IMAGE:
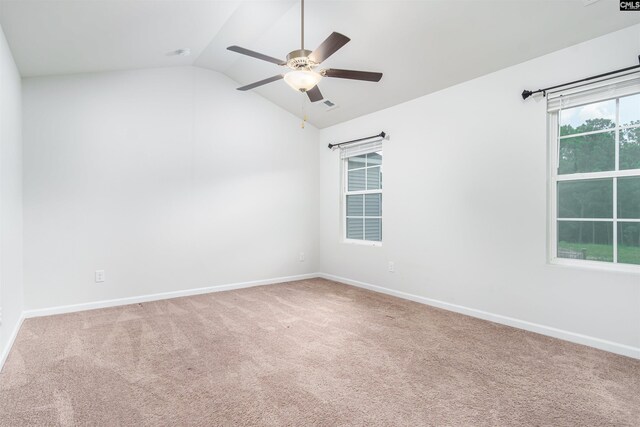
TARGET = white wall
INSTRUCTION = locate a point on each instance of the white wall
(168, 179)
(465, 203)
(10, 197)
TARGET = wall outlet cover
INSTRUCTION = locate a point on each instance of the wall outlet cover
(100, 276)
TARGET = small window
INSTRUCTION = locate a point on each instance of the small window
(363, 197)
(595, 180)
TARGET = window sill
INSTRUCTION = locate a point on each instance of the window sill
(362, 242)
(595, 265)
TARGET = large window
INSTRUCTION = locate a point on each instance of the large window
(363, 197)
(595, 179)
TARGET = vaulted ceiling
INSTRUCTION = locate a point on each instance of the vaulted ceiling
(420, 46)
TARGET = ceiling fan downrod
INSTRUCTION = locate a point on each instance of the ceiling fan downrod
(299, 59)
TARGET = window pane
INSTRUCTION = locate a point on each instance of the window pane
(374, 159)
(630, 110)
(373, 205)
(373, 229)
(629, 242)
(585, 199)
(357, 161)
(374, 178)
(630, 148)
(588, 118)
(357, 180)
(588, 153)
(354, 205)
(355, 228)
(629, 197)
(585, 240)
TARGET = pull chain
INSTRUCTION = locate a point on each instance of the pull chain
(304, 115)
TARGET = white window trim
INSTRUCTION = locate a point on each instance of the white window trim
(344, 193)
(362, 242)
(553, 149)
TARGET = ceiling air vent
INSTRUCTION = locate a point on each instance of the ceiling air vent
(330, 105)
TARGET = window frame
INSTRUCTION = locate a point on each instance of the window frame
(553, 178)
(345, 192)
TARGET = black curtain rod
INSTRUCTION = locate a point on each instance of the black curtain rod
(528, 93)
(381, 135)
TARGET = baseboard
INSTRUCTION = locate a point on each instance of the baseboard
(160, 296)
(138, 299)
(598, 343)
(5, 351)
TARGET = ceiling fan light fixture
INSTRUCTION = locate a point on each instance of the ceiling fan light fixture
(302, 80)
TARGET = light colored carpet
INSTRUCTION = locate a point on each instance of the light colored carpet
(305, 353)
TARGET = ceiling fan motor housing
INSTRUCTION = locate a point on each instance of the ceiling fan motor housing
(299, 60)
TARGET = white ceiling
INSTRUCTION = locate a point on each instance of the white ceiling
(420, 46)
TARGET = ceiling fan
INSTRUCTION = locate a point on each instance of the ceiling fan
(302, 75)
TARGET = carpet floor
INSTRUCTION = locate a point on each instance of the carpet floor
(312, 352)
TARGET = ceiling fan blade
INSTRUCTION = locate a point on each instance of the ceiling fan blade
(352, 74)
(261, 82)
(328, 47)
(253, 54)
(314, 94)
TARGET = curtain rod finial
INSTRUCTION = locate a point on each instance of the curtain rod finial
(526, 94)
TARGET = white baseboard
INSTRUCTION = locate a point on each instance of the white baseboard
(613, 347)
(138, 299)
(610, 346)
(160, 296)
(5, 351)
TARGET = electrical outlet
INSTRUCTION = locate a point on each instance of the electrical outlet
(301, 257)
(392, 267)
(100, 276)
